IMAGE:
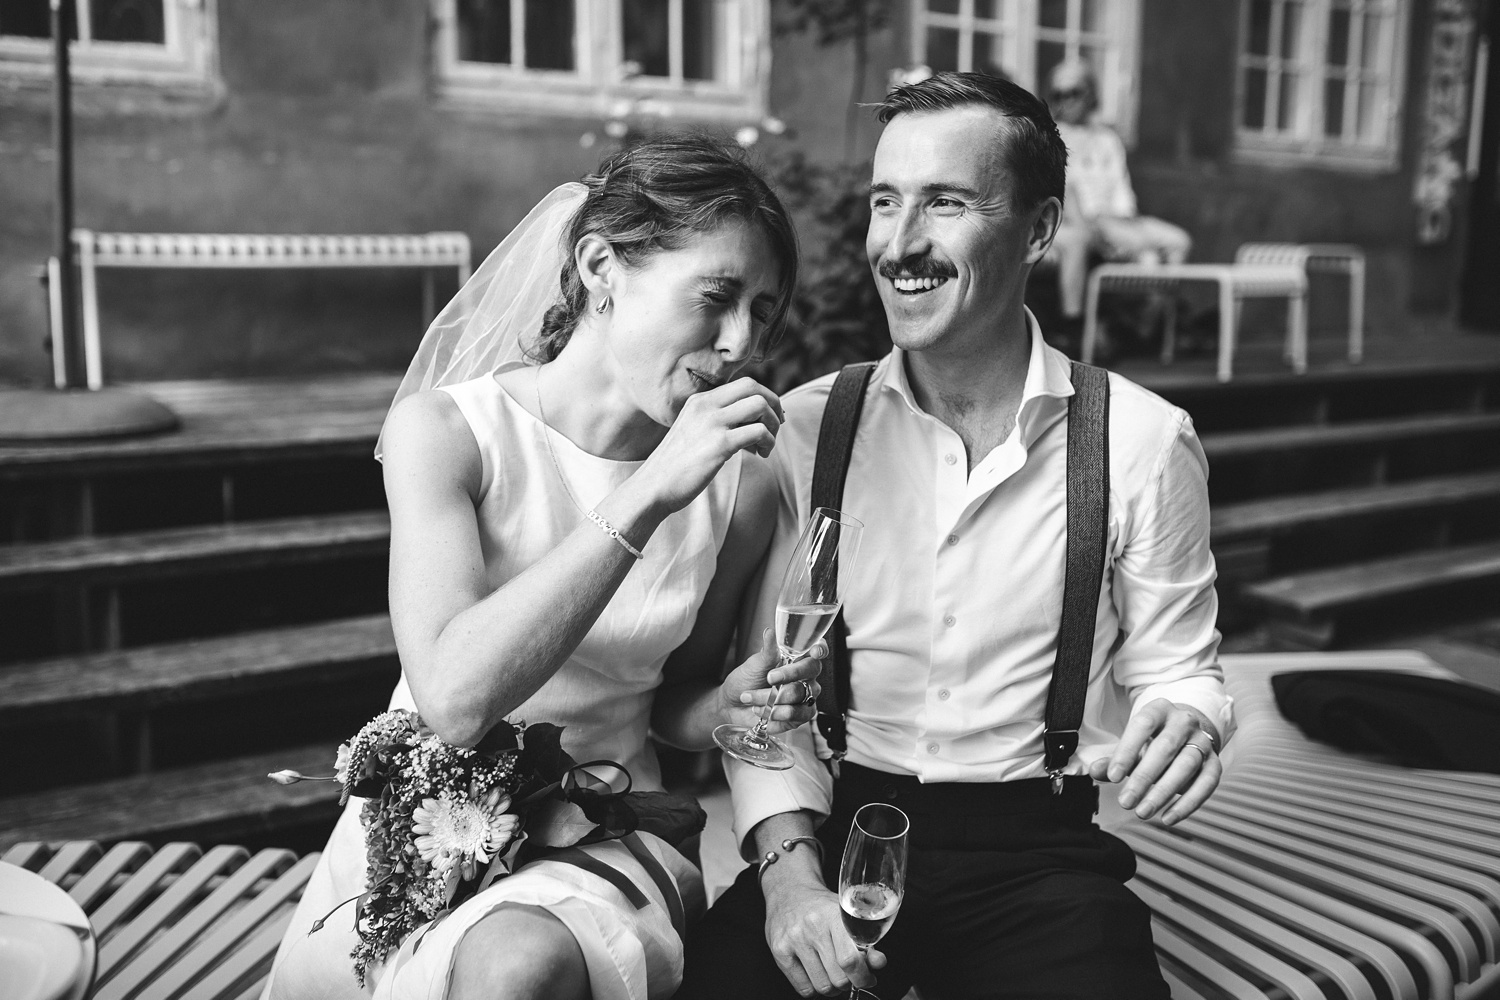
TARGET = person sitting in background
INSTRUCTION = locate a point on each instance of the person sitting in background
(1099, 214)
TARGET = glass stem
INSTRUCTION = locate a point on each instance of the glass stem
(764, 722)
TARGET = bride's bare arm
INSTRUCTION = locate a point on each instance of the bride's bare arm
(471, 655)
(691, 700)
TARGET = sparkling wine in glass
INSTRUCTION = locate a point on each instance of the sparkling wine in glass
(809, 600)
(872, 877)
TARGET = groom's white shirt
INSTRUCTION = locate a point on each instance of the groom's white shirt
(954, 604)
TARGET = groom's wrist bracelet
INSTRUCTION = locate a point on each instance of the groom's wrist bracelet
(771, 857)
(612, 532)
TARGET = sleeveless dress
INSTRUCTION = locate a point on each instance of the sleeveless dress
(602, 695)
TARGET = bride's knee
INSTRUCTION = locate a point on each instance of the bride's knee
(519, 953)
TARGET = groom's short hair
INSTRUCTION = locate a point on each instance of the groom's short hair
(1037, 155)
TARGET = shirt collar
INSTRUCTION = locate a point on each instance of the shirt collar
(1048, 373)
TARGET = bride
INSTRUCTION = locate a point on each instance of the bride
(570, 540)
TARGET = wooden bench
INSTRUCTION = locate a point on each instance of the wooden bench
(1314, 874)
(1305, 608)
(121, 688)
(1361, 433)
(1243, 533)
(177, 923)
(109, 559)
(230, 250)
(1329, 258)
(1236, 282)
(214, 801)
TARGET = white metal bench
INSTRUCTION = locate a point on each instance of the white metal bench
(1314, 874)
(178, 923)
(1334, 258)
(225, 250)
(1236, 282)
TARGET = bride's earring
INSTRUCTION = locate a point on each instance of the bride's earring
(602, 306)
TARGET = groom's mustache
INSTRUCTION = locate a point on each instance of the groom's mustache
(923, 266)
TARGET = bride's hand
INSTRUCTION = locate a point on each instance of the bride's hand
(751, 686)
(742, 415)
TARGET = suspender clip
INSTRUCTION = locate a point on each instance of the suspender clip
(1057, 781)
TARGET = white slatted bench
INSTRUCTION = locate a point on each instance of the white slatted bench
(1313, 874)
(1329, 258)
(227, 250)
(1236, 282)
(178, 923)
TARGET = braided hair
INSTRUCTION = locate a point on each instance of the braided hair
(657, 195)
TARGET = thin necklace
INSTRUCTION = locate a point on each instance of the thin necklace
(547, 439)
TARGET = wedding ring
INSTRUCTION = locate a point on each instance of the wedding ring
(1202, 753)
(812, 696)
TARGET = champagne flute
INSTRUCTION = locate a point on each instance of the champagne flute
(809, 600)
(872, 877)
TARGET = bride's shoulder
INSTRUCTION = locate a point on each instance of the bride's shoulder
(429, 430)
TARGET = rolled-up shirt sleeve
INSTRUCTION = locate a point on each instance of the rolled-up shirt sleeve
(758, 794)
(1164, 589)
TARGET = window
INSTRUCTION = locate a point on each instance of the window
(607, 58)
(1321, 79)
(139, 41)
(1025, 39)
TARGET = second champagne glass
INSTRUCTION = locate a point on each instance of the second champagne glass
(809, 600)
(872, 877)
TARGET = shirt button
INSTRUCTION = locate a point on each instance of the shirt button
(952, 539)
(951, 458)
(932, 748)
(950, 621)
(943, 695)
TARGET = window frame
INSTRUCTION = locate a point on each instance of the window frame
(187, 56)
(1306, 144)
(1119, 89)
(595, 89)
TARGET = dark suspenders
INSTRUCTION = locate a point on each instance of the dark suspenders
(1087, 526)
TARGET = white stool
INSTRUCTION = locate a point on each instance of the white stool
(1236, 282)
(1335, 258)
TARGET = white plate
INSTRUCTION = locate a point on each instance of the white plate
(46, 942)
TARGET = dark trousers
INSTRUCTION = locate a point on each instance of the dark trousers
(1011, 892)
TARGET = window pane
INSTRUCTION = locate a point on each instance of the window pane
(1048, 55)
(1286, 105)
(1339, 22)
(127, 21)
(1291, 29)
(1259, 42)
(1372, 55)
(1052, 14)
(484, 31)
(989, 55)
(943, 6)
(646, 36)
(1255, 98)
(27, 18)
(1371, 115)
(549, 34)
(1333, 106)
(702, 33)
(942, 48)
(1094, 12)
(987, 9)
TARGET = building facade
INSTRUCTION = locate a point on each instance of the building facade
(1299, 120)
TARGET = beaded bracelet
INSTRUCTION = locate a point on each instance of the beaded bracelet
(612, 532)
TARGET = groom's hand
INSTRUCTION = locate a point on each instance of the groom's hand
(1166, 752)
(806, 936)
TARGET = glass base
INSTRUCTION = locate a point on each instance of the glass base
(766, 752)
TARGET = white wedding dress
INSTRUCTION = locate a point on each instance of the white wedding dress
(602, 696)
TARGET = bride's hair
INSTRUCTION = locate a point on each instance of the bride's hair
(656, 195)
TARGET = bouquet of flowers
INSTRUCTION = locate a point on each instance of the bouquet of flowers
(443, 822)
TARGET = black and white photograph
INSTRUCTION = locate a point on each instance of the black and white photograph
(751, 499)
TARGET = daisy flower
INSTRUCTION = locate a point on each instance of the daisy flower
(452, 831)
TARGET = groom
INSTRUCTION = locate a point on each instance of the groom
(960, 470)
